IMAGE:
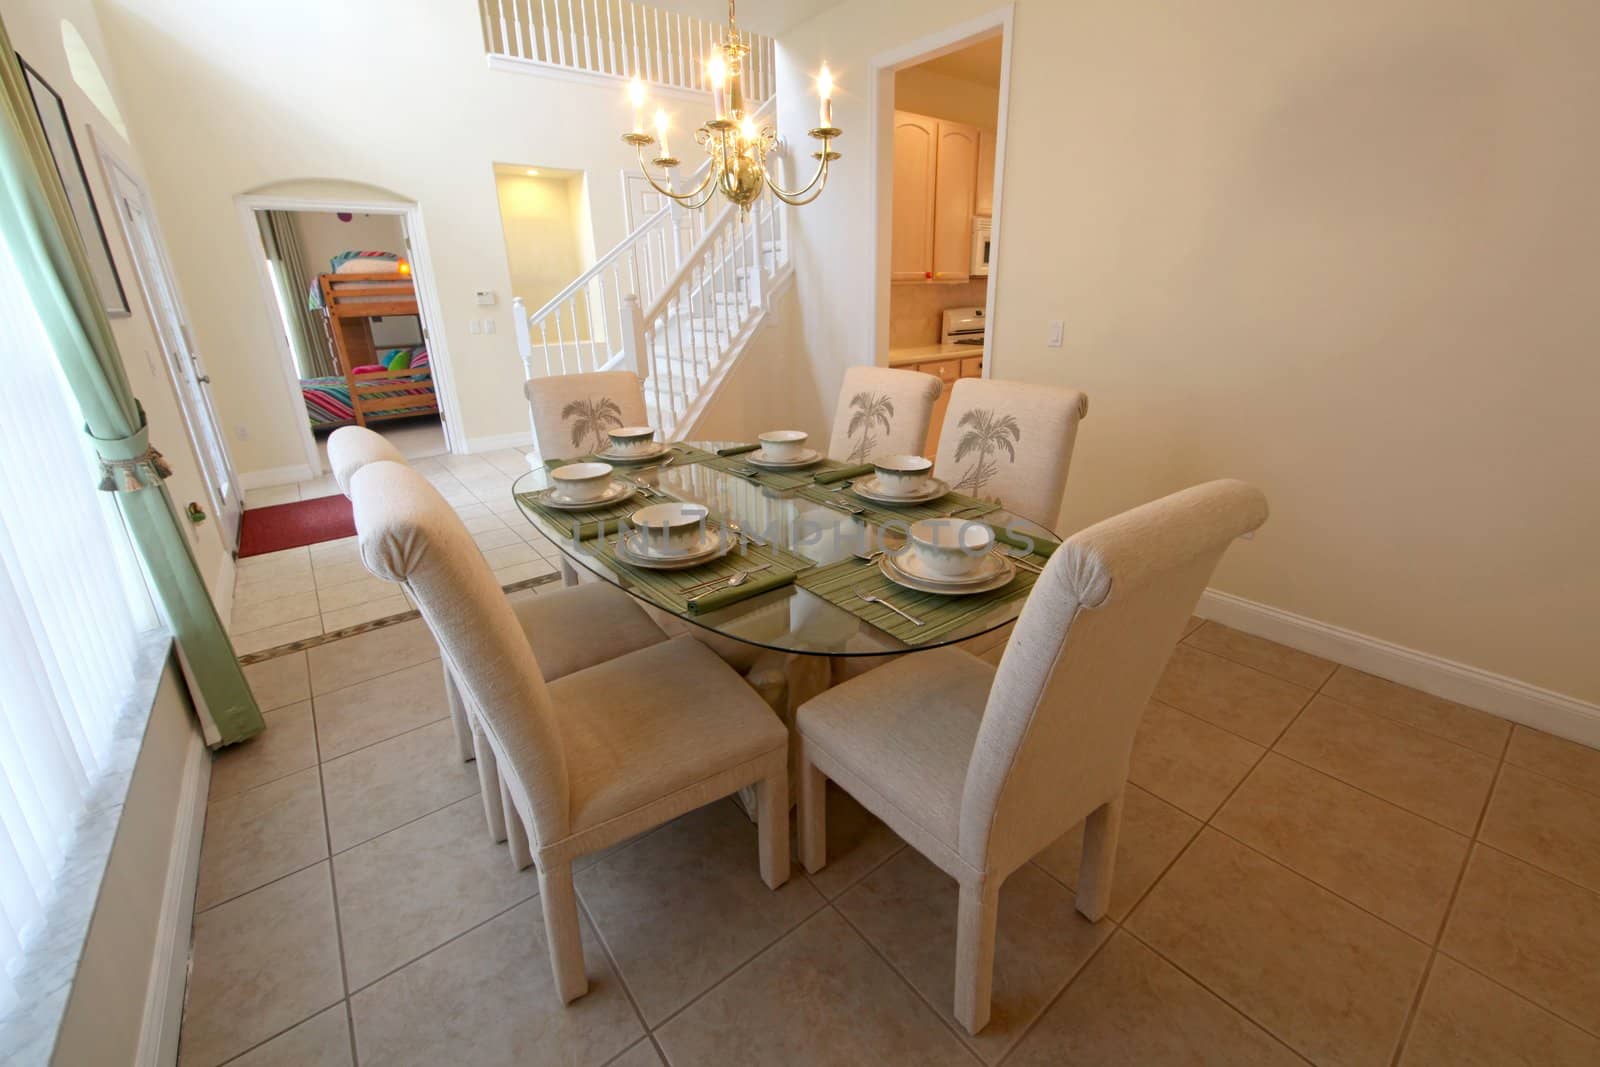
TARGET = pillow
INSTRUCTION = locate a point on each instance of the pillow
(364, 263)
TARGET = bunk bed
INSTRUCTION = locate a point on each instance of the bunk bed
(376, 384)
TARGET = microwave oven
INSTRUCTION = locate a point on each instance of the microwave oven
(982, 246)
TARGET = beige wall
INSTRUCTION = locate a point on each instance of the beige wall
(927, 92)
(323, 236)
(544, 219)
(1345, 251)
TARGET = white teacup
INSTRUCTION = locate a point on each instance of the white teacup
(580, 483)
(671, 529)
(632, 440)
(903, 475)
(950, 548)
(781, 446)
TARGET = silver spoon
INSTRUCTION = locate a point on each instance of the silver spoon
(731, 583)
(871, 598)
(733, 524)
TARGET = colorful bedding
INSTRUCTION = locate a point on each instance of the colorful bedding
(328, 399)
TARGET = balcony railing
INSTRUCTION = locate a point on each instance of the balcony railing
(616, 38)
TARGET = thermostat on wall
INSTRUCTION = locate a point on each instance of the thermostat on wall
(485, 297)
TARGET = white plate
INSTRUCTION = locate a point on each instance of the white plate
(908, 563)
(806, 459)
(869, 488)
(634, 457)
(616, 492)
(720, 545)
(995, 574)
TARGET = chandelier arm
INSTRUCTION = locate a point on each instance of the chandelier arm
(679, 197)
(794, 197)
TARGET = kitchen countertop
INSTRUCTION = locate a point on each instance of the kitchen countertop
(900, 357)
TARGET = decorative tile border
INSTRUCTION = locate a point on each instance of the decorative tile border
(372, 624)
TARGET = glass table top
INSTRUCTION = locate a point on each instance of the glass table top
(788, 619)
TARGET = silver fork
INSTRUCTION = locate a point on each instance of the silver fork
(872, 598)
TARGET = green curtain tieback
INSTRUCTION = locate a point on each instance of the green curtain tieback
(128, 464)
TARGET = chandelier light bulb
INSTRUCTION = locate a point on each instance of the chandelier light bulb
(661, 131)
(825, 92)
(636, 95)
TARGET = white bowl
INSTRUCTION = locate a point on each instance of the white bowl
(671, 529)
(579, 483)
(632, 440)
(904, 475)
(783, 445)
(951, 548)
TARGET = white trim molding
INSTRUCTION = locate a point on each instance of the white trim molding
(266, 479)
(1530, 705)
(496, 442)
(169, 966)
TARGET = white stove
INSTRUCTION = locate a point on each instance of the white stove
(963, 326)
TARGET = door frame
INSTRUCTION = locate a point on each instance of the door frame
(427, 300)
(880, 105)
(115, 169)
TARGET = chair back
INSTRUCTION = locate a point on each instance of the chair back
(1091, 643)
(1010, 442)
(352, 447)
(882, 412)
(409, 534)
(573, 412)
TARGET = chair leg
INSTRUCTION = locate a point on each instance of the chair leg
(772, 828)
(560, 903)
(1100, 831)
(494, 809)
(516, 831)
(569, 574)
(458, 715)
(813, 818)
(976, 916)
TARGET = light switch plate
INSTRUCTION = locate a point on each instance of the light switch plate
(474, 326)
(1058, 330)
(488, 326)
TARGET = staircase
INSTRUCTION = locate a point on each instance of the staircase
(676, 302)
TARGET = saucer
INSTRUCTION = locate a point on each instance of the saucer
(714, 545)
(902, 569)
(869, 488)
(615, 492)
(806, 459)
(657, 452)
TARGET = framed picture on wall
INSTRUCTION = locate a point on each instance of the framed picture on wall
(69, 167)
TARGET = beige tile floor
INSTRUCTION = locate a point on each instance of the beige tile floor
(1316, 865)
(303, 592)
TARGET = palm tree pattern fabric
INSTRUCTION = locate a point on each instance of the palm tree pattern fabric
(869, 413)
(985, 435)
(590, 419)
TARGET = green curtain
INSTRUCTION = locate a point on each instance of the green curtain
(308, 335)
(37, 229)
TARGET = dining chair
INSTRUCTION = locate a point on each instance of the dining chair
(591, 758)
(980, 768)
(569, 629)
(1010, 442)
(882, 412)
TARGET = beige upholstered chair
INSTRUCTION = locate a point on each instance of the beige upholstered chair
(1010, 442)
(572, 412)
(882, 412)
(595, 757)
(978, 768)
(569, 629)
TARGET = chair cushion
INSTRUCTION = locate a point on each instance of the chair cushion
(652, 722)
(576, 628)
(907, 728)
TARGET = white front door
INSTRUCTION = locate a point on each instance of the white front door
(183, 361)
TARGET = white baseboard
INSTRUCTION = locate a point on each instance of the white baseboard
(169, 969)
(519, 439)
(275, 476)
(1542, 709)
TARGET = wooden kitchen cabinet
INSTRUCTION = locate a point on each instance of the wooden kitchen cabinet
(948, 371)
(916, 154)
(935, 186)
(983, 200)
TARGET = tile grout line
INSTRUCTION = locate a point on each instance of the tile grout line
(1449, 909)
(611, 961)
(333, 882)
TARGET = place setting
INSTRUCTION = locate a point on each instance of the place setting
(588, 497)
(782, 459)
(898, 488)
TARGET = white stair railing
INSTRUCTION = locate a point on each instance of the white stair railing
(619, 39)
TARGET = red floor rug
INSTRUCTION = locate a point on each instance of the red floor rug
(305, 522)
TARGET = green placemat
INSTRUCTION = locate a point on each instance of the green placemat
(584, 525)
(686, 590)
(682, 456)
(839, 583)
(780, 480)
(958, 504)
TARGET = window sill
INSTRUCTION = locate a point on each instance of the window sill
(46, 971)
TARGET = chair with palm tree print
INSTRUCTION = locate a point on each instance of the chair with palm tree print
(1010, 442)
(882, 412)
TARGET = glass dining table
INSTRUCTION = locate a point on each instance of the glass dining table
(818, 526)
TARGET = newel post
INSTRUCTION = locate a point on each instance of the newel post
(633, 342)
(519, 321)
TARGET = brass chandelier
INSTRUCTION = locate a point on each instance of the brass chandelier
(737, 148)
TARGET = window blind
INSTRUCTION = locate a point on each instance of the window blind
(72, 611)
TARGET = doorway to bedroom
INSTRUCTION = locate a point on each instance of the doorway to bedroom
(345, 289)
